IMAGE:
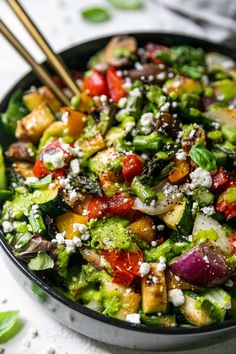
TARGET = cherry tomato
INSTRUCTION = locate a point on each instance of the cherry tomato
(132, 166)
(115, 84)
(151, 50)
(119, 205)
(220, 180)
(95, 83)
(125, 265)
(40, 170)
(96, 207)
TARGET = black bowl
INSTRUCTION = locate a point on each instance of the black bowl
(74, 315)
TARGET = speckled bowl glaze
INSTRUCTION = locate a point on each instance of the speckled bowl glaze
(74, 315)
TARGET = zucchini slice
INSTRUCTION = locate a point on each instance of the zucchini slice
(154, 294)
(51, 201)
(180, 217)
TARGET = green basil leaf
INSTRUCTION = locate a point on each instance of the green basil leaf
(126, 4)
(96, 14)
(41, 262)
(9, 325)
(203, 157)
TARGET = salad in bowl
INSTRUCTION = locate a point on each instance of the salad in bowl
(126, 199)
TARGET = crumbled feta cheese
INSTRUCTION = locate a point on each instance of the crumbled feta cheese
(181, 155)
(161, 265)
(153, 243)
(208, 210)
(161, 75)
(60, 237)
(138, 66)
(30, 180)
(160, 227)
(70, 246)
(176, 296)
(135, 92)
(75, 167)
(56, 158)
(165, 107)
(77, 241)
(200, 177)
(146, 122)
(129, 126)
(133, 318)
(7, 227)
(144, 269)
(73, 196)
(33, 333)
(194, 208)
(65, 117)
(82, 228)
(122, 102)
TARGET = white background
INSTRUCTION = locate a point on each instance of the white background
(61, 23)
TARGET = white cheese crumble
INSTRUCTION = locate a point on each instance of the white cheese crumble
(165, 107)
(73, 196)
(75, 167)
(200, 177)
(122, 102)
(144, 269)
(133, 318)
(181, 155)
(30, 180)
(176, 296)
(60, 237)
(160, 227)
(153, 243)
(161, 265)
(208, 210)
(7, 227)
(146, 122)
(129, 126)
(56, 158)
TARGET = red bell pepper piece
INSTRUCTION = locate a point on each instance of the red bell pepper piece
(115, 84)
(98, 207)
(132, 166)
(95, 83)
(119, 205)
(40, 170)
(125, 265)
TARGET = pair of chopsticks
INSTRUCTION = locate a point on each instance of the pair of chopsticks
(54, 59)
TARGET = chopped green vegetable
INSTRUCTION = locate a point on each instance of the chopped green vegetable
(126, 4)
(9, 325)
(203, 157)
(96, 14)
(41, 262)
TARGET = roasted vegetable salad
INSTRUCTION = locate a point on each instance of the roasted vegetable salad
(125, 201)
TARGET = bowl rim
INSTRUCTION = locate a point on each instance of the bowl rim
(48, 289)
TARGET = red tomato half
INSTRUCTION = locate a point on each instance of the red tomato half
(120, 205)
(125, 265)
(95, 83)
(132, 166)
(115, 84)
(220, 180)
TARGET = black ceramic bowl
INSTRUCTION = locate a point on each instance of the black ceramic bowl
(74, 315)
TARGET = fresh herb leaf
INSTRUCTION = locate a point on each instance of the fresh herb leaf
(15, 111)
(126, 4)
(9, 325)
(96, 14)
(41, 262)
(203, 157)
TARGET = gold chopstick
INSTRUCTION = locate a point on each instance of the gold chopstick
(40, 71)
(54, 59)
